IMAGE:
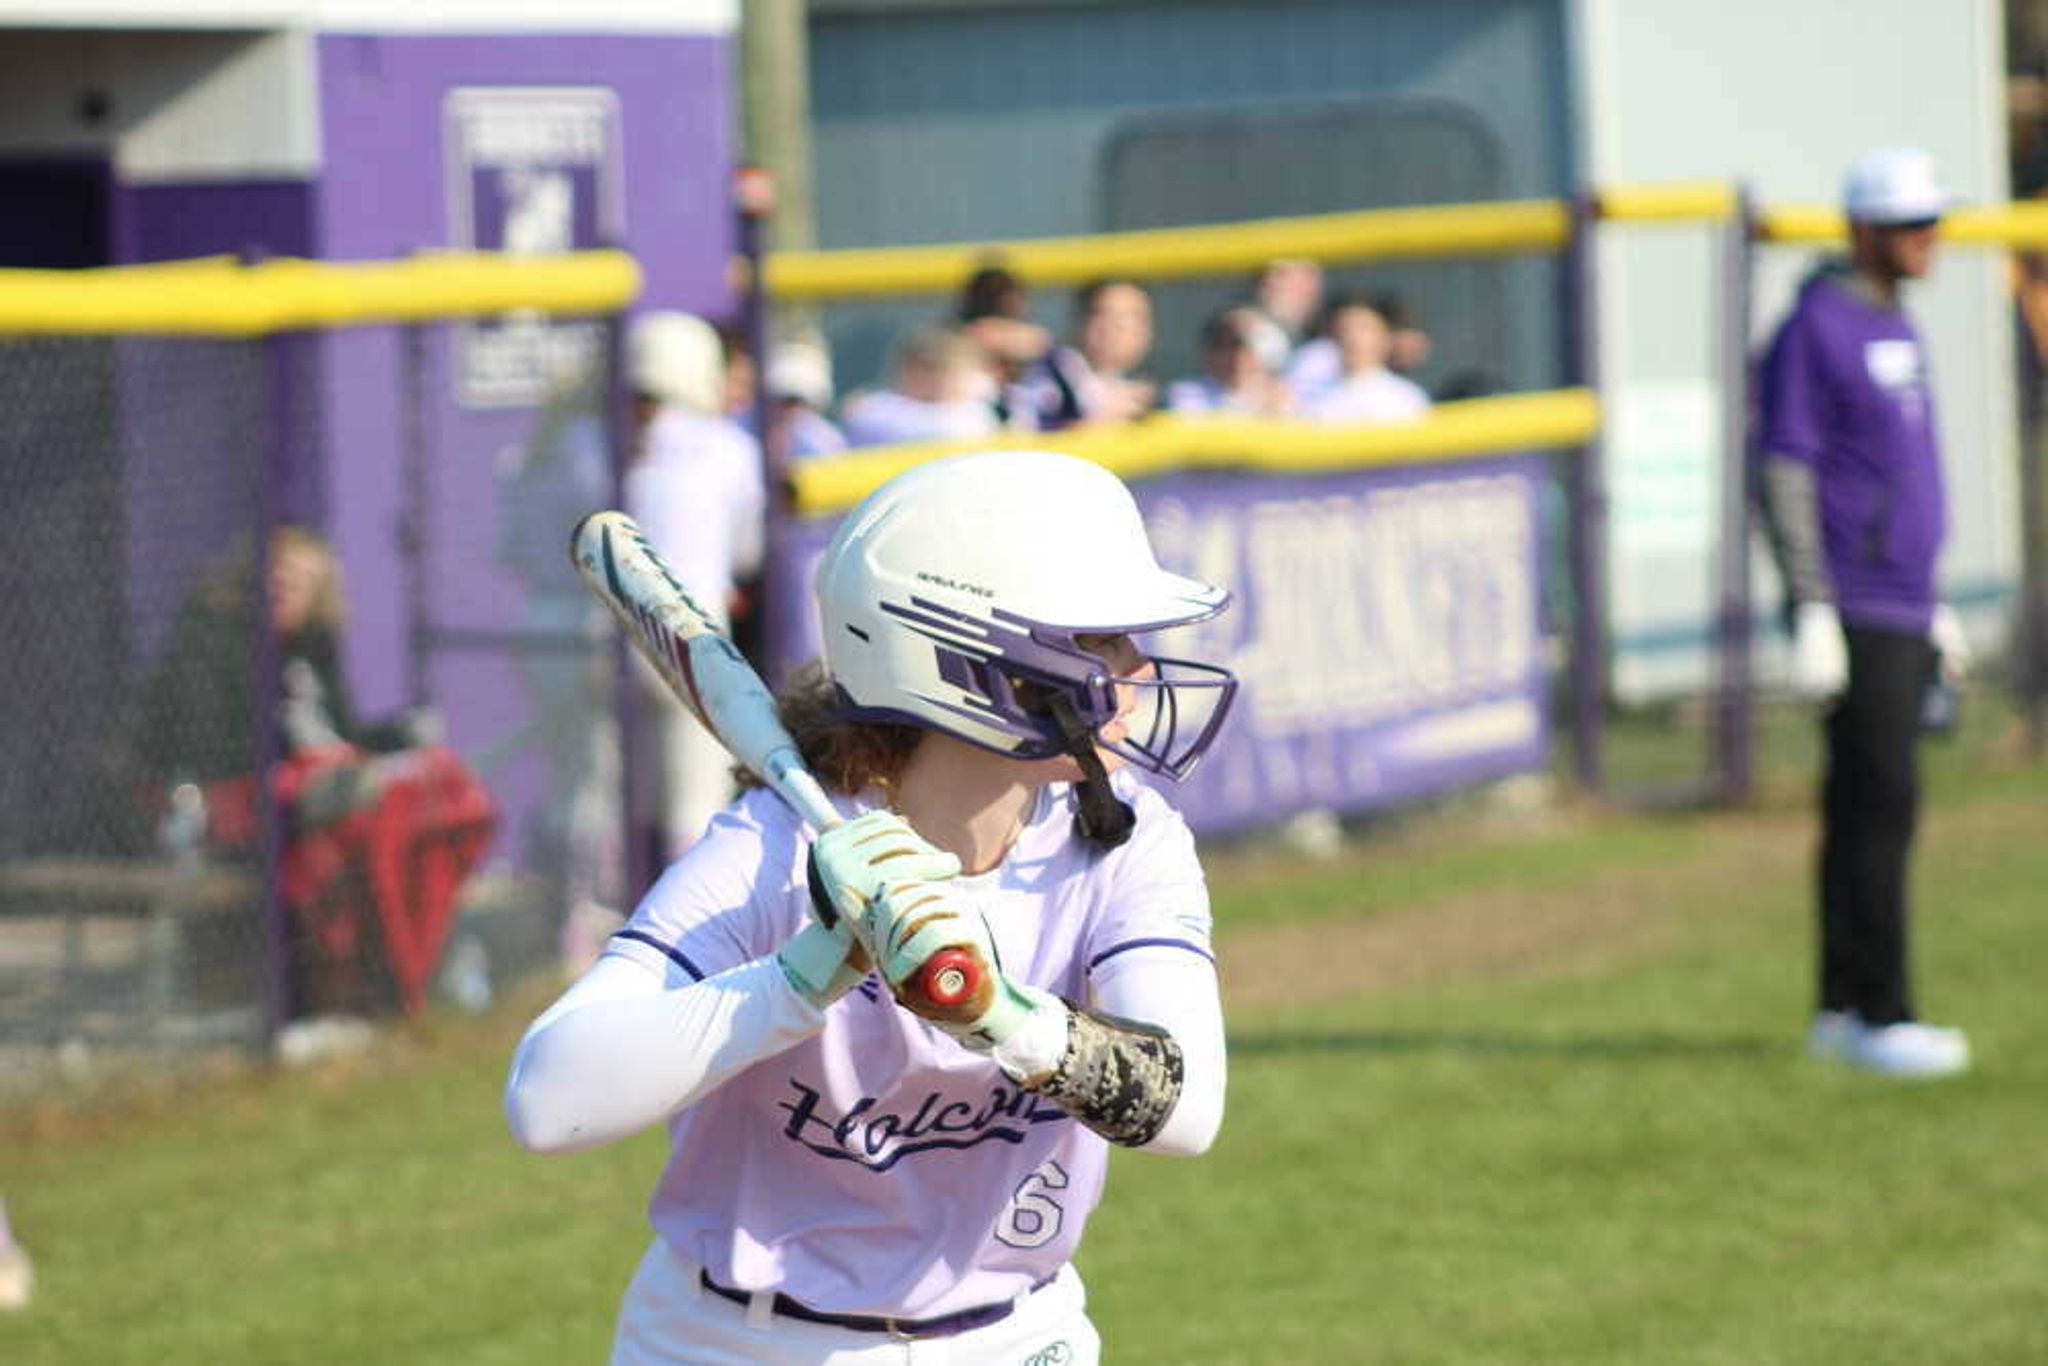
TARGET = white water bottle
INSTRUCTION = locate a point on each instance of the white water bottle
(468, 975)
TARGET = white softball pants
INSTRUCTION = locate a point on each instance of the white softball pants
(669, 1318)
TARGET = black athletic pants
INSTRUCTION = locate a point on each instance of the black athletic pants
(1870, 801)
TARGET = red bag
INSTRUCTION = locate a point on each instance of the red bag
(411, 846)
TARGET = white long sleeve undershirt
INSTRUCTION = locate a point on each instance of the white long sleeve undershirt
(618, 1052)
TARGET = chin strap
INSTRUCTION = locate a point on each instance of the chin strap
(1101, 817)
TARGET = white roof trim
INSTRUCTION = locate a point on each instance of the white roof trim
(383, 16)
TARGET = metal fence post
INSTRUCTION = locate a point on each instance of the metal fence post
(616, 407)
(1732, 760)
(1587, 487)
(2031, 647)
(412, 530)
(753, 208)
(280, 413)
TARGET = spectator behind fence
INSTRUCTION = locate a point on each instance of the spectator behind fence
(384, 823)
(1319, 363)
(1409, 344)
(941, 392)
(1854, 504)
(799, 383)
(1097, 378)
(695, 486)
(1366, 389)
(1238, 377)
(995, 311)
(1289, 294)
(738, 373)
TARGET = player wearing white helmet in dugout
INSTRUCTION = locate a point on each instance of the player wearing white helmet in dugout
(694, 484)
(853, 1177)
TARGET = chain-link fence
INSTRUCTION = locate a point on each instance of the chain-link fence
(130, 470)
(312, 716)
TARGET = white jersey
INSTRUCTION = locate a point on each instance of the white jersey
(883, 417)
(877, 1166)
(1316, 364)
(698, 493)
(1377, 396)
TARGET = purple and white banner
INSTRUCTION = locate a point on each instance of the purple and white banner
(1385, 628)
(532, 171)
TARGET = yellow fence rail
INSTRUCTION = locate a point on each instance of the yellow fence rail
(1496, 229)
(218, 296)
(1503, 228)
(1166, 444)
(2019, 227)
(1706, 201)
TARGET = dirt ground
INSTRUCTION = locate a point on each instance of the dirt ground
(1613, 915)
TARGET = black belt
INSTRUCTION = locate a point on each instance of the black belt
(943, 1326)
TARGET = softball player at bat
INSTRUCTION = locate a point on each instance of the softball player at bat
(850, 1181)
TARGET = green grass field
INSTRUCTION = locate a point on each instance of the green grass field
(1500, 1093)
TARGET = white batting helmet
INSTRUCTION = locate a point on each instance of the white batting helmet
(676, 358)
(953, 595)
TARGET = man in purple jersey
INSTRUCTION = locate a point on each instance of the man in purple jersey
(1851, 487)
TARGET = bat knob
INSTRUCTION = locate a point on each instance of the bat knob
(950, 977)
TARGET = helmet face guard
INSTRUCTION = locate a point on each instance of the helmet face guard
(1003, 670)
(945, 604)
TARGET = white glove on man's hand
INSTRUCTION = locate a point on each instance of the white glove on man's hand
(1820, 655)
(1945, 634)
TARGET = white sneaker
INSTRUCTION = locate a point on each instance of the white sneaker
(1830, 1034)
(1908, 1049)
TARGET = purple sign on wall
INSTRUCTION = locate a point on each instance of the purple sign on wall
(532, 171)
(1385, 628)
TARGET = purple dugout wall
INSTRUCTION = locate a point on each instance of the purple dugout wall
(385, 192)
(640, 159)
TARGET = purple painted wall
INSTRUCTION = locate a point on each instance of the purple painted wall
(178, 222)
(386, 192)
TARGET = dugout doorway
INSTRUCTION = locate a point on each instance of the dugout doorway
(57, 213)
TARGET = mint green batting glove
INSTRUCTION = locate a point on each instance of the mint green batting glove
(851, 864)
(823, 965)
(909, 923)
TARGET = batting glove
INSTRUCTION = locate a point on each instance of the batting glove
(824, 964)
(849, 868)
(853, 864)
(910, 923)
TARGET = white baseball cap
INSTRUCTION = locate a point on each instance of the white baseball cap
(1894, 185)
(800, 369)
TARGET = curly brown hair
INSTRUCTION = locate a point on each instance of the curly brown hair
(846, 756)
